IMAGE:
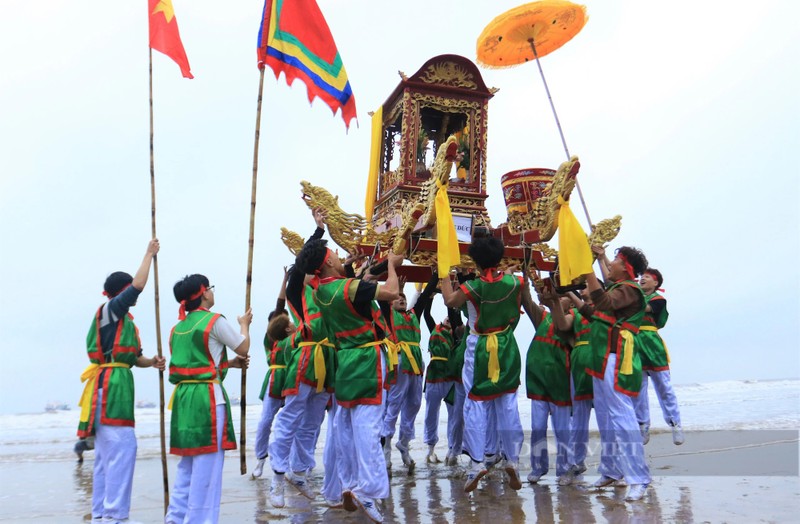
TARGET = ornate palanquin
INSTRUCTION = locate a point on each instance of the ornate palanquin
(434, 132)
(447, 96)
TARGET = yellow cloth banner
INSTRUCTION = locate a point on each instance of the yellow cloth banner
(447, 242)
(653, 328)
(574, 254)
(319, 360)
(406, 347)
(374, 163)
(215, 381)
(626, 368)
(89, 376)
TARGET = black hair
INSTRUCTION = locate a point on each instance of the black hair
(486, 251)
(311, 256)
(657, 274)
(116, 282)
(635, 258)
(190, 285)
(273, 314)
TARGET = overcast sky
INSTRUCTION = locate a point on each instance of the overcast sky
(684, 115)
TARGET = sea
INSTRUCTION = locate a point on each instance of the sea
(724, 405)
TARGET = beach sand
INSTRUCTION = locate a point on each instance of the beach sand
(718, 476)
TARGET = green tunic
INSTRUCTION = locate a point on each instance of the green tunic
(406, 332)
(547, 365)
(496, 300)
(359, 376)
(311, 346)
(440, 347)
(649, 344)
(581, 358)
(118, 390)
(193, 428)
(276, 373)
(602, 326)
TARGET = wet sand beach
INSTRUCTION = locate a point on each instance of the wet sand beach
(716, 476)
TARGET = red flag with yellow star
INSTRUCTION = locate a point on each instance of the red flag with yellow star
(164, 36)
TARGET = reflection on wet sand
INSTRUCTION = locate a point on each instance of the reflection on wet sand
(434, 494)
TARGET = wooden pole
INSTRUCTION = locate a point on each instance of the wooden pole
(250, 242)
(158, 313)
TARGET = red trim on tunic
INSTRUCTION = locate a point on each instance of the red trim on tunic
(550, 400)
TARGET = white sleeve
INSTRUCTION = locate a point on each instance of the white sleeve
(224, 332)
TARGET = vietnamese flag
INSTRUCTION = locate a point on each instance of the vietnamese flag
(164, 36)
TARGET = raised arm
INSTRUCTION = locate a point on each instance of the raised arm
(140, 278)
(390, 289)
(602, 260)
(453, 297)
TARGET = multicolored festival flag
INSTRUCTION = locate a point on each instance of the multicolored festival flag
(164, 35)
(294, 38)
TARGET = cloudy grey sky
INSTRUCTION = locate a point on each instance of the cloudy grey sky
(684, 114)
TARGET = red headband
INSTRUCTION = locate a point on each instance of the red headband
(325, 259)
(105, 293)
(182, 309)
(655, 277)
(628, 266)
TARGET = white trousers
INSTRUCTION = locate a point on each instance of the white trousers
(560, 418)
(296, 426)
(403, 400)
(331, 483)
(477, 413)
(455, 422)
(114, 460)
(269, 408)
(666, 398)
(197, 491)
(435, 392)
(579, 431)
(622, 452)
(362, 466)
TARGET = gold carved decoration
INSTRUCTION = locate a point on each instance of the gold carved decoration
(544, 213)
(448, 74)
(346, 229)
(605, 231)
(292, 240)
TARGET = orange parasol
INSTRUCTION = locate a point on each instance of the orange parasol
(528, 32)
(510, 38)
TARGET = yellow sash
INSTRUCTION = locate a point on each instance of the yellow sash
(626, 368)
(491, 348)
(406, 347)
(392, 350)
(653, 328)
(214, 381)
(89, 376)
(319, 360)
(439, 358)
(277, 366)
(581, 343)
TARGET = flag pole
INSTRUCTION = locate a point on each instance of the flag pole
(250, 242)
(158, 314)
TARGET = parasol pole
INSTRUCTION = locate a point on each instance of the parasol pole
(243, 400)
(155, 283)
(558, 123)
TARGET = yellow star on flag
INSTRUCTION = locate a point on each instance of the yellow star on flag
(165, 6)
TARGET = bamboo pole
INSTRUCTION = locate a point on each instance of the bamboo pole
(158, 313)
(560, 131)
(250, 242)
